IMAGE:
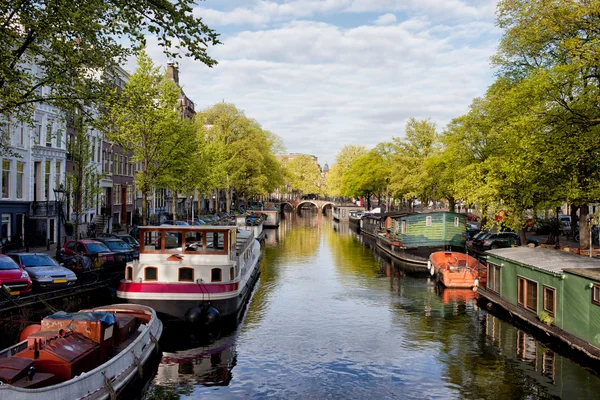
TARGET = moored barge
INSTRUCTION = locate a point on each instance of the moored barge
(91, 354)
(183, 271)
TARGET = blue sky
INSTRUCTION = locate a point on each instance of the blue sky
(325, 73)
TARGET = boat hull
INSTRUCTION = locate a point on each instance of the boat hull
(457, 270)
(116, 378)
(174, 309)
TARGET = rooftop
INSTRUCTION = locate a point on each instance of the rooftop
(552, 260)
(592, 273)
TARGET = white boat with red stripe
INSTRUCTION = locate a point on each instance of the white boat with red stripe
(193, 273)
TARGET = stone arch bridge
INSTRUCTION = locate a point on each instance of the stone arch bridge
(296, 205)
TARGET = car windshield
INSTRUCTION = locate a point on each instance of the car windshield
(97, 248)
(117, 245)
(7, 263)
(128, 239)
(37, 260)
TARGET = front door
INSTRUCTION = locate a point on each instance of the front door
(20, 233)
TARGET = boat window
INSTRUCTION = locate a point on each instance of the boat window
(456, 221)
(173, 241)
(151, 241)
(129, 274)
(194, 241)
(150, 274)
(596, 294)
(494, 277)
(527, 293)
(403, 226)
(215, 241)
(231, 273)
(186, 274)
(343, 213)
(215, 275)
(549, 300)
(428, 221)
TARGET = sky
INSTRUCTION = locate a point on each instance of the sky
(325, 73)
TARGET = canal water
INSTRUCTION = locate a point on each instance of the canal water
(331, 319)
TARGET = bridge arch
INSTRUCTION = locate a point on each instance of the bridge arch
(284, 204)
(326, 205)
(300, 203)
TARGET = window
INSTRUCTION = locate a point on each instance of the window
(49, 133)
(150, 274)
(194, 241)
(47, 180)
(58, 175)
(403, 231)
(549, 300)
(129, 273)
(116, 194)
(7, 136)
(215, 241)
(596, 294)
(428, 221)
(343, 213)
(186, 275)
(527, 293)
(456, 222)
(5, 178)
(215, 275)
(231, 273)
(129, 194)
(20, 179)
(37, 133)
(93, 149)
(21, 136)
(494, 277)
(58, 138)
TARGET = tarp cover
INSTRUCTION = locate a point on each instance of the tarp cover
(102, 316)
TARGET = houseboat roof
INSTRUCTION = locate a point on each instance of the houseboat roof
(190, 227)
(592, 273)
(552, 260)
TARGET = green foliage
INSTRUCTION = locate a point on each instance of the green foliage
(343, 161)
(304, 174)
(545, 318)
(146, 121)
(75, 43)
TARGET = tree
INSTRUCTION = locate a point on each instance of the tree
(343, 161)
(145, 120)
(82, 179)
(55, 51)
(367, 175)
(409, 177)
(304, 173)
(552, 47)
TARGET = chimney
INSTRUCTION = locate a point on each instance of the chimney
(173, 73)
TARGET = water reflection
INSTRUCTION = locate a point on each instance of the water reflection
(330, 318)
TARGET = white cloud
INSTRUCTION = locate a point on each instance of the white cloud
(320, 85)
(386, 19)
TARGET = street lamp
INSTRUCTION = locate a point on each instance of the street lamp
(59, 196)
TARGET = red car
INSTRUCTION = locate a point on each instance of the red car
(13, 277)
(95, 250)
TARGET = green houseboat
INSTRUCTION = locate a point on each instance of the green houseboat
(413, 237)
(554, 291)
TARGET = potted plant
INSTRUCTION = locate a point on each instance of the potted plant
(545, 318)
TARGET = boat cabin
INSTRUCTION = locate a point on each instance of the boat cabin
(188, 254)
(549, 283)
(427, 229)
(342, 213)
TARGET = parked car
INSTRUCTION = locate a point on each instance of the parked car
(135, 233)
(44, 271)
(130, 240)
(171, 222)
(99, 254)
(497, 240)
(471, 232)
(14, 278)
(123, 252)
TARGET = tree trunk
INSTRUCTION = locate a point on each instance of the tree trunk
(574, 220)
(451, 204)
(174, 204)
(523, 237)
(584, 227)
(216, 199)
(228, 200)
(144, 207)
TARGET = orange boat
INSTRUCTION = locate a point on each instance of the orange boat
(457, 270)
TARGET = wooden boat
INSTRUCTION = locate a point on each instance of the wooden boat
(91, 354)
(412, 237)
(196, 274)
(456, 270)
